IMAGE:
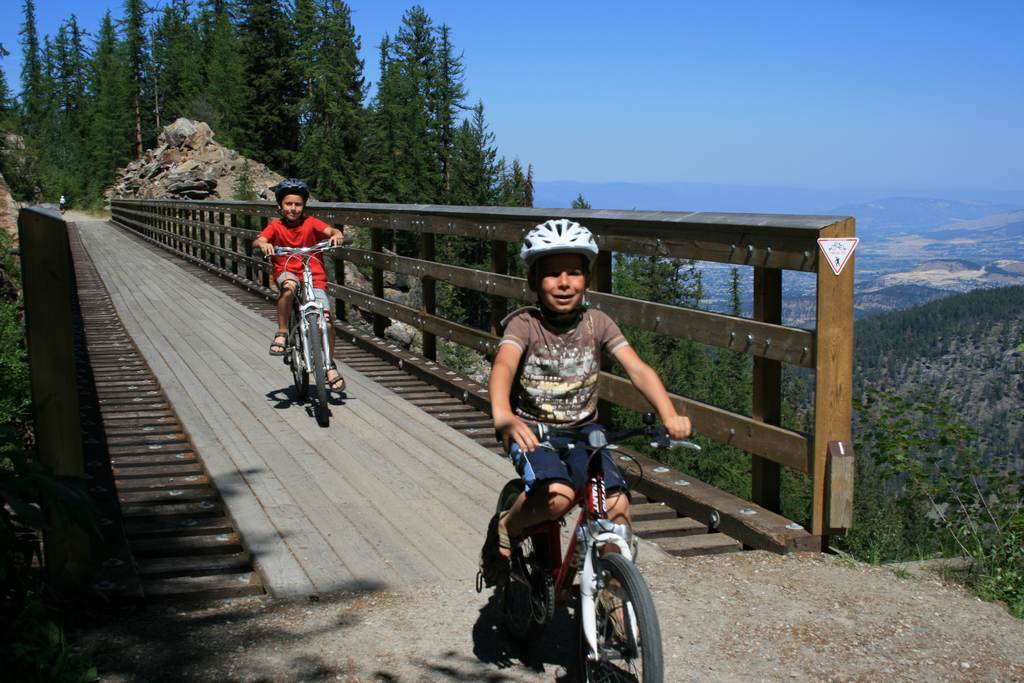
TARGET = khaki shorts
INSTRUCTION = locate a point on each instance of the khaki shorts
(321, 295)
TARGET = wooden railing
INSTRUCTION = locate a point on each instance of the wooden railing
(219, 233)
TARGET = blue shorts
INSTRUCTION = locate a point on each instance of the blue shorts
(553, 461)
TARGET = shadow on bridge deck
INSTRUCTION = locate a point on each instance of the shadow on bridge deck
(386, 496)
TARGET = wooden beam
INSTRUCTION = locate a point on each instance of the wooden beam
(428, 287)
(749, 523)
(765, 240)
(499, 266)
(380, 323)
(775, 443)
(739, 334)
(766, 475)
(47, 281)
(833, 379)
(841, 475)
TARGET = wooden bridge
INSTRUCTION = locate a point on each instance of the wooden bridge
(220, 484)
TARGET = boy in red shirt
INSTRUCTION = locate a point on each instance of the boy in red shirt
(295, 229)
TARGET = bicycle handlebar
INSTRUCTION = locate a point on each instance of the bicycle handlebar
(311, 250)
(598, 439)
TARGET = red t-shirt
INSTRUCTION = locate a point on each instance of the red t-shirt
(306, 234)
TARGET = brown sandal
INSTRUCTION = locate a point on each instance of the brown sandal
(278, 348)
(337, 384)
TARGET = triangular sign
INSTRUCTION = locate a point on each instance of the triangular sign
(837, 251)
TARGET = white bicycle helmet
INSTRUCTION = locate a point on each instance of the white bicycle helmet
(558, 236)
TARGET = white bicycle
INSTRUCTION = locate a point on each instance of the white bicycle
(308, 348)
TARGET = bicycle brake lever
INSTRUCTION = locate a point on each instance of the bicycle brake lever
(661, 438)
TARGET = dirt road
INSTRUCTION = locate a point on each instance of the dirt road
(744, 617)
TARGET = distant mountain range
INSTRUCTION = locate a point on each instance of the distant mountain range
(902, 209)
(913, 248)
(894, 215)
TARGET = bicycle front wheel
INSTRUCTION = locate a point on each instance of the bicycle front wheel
(628, 634)
(319, 369)
(300, 376)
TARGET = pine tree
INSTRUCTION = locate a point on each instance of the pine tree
(177, 66)
(135, 46)
(580, 202)
(404, 144)
(223, 100)
(7, 113)
(446, 98)
(528, 189)
(515, 189)
(332, 107)
(475, 170)
(31, 69)
(380, 160)
(109, 140)
(62, 153)
(269, 129)
(244, 190)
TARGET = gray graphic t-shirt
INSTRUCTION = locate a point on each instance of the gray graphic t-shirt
(558, 372)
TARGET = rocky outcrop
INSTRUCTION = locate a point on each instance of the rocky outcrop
(12, 151)
(8, 211)
(188, 164)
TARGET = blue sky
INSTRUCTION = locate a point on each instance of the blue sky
(888, 95)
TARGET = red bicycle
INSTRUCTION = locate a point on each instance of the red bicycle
(620, 638)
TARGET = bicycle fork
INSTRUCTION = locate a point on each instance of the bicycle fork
(590, 582)
(312, 304)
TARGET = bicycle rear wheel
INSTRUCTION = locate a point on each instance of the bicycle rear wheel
(300, 376)
(316, 358)
(628, 634)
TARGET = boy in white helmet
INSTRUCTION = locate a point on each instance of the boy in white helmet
(546, 371)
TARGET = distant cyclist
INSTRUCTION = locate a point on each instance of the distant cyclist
(295, 229)
(546, 371)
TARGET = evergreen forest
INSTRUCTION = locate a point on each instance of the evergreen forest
(281, 82)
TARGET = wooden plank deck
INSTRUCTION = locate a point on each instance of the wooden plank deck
(386, 496)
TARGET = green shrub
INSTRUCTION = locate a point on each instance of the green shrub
(923, 490)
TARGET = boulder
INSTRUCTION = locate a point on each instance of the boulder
(188, 163)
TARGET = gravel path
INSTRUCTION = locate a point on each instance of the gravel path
(745, 617)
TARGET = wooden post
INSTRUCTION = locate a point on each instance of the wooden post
(200, 233)
(48, 283)
(223, 239)
(833, 377)
(380, 323)
(842, 471)
(247, 223)
(601, 281)
(339, 278)
(429, 289)
(499, 265)
(765, 476)
(236, 242)
(264, 275)
(186, 230)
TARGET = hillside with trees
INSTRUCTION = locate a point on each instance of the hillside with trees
(967, 350)
(278, 82)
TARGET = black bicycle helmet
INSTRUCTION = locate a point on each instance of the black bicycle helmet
(291, 186)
